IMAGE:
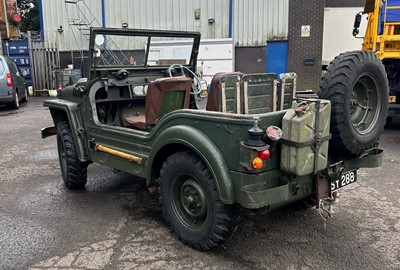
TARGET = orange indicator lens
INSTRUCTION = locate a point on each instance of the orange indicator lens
(257, 163)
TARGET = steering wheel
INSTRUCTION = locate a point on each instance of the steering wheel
(122, 74)
(175, 70)
(196, 85)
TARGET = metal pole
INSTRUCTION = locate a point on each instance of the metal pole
(233, 33)
(31, 58)
(50, 65)
(5, 18)
(58, 61)
(7, 49)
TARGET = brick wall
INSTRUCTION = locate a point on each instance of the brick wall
(250, 59)
(306, 12)
(344, 3)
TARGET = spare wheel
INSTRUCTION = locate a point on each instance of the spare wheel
(357, 86)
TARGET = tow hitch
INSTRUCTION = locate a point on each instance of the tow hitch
(325, 207)
(326, 198)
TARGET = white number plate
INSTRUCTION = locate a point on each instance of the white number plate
(346, 179)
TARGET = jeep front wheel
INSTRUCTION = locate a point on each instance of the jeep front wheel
(74, 172)
(191, 203)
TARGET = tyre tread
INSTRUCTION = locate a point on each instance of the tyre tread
(77, 170)
(225, 215)
(334, 86)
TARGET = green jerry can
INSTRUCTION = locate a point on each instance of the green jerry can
(298, 148)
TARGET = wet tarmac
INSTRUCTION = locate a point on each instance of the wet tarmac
(115, 224)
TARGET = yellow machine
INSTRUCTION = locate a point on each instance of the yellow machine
(383, 38)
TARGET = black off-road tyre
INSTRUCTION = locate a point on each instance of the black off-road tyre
(74, 172)
(357, 86)
(191, 203)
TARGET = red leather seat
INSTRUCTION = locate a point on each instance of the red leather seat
(160, 100)
(214, 95)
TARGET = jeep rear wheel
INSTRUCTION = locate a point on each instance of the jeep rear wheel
(74, 172)
(356, 84)
(191, 204)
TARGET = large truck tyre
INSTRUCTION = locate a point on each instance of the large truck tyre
(356, 84)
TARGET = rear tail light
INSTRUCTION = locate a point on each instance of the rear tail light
(264, 155)
(9, 81)
(258, 162)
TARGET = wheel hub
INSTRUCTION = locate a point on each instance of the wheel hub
(193, 199)
(364, 104)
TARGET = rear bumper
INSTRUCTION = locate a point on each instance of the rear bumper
(258, 195)
(270, 191)
(273, 189)
(371, 159)
(394, 109)
(6, 99)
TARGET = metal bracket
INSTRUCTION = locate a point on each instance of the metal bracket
(308, 143)
(326, 206)
(323, 188)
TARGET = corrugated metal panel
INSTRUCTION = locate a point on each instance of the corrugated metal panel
(57, 13)
(171, 15)
(150, 14)
(256, 21)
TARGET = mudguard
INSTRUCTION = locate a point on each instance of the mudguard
(202, 145)
(69, 108)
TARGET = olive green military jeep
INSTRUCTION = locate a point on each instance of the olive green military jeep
(252, 142)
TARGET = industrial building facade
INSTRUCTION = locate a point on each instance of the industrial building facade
(254, 26)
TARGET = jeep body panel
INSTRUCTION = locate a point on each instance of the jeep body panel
(62, 108)
(205, 133)
(203, 146)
